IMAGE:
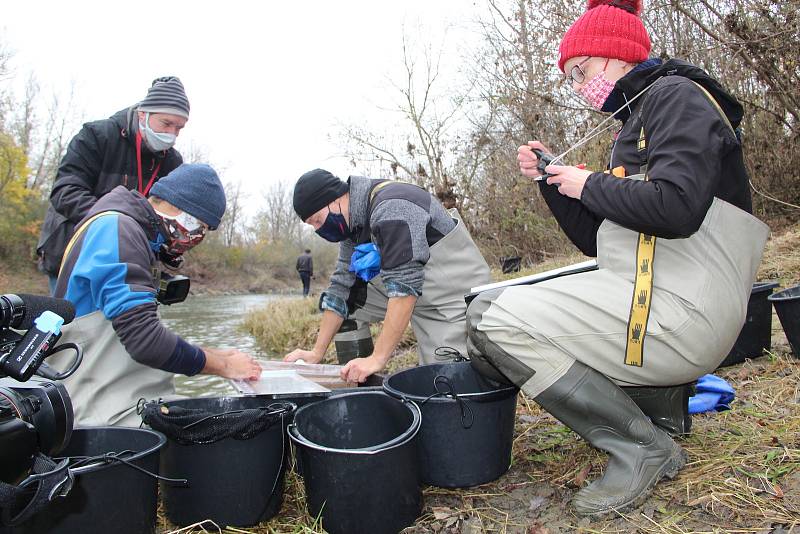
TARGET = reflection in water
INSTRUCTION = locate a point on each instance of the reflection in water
(213, 321)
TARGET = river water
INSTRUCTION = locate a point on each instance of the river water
(213, 321)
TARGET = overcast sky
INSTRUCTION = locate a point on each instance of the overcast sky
(268, 82)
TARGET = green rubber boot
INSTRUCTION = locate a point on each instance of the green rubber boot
(640, 454)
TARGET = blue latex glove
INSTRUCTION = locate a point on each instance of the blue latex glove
(713, 393)
(366, 261)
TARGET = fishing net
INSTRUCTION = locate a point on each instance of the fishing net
(189, 426)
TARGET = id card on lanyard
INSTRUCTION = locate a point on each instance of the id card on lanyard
(144, 190)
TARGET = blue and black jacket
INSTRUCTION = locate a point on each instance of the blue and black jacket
(112, 268)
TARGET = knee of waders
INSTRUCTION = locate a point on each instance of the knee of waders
(483, 366)
(487, 357)
(478, 307)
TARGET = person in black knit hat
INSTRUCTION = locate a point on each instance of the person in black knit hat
(132, 148)
(402, 258)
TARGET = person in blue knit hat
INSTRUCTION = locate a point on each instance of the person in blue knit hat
(111, 273)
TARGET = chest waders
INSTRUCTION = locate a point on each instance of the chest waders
(108, 383)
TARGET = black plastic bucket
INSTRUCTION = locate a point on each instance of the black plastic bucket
(234, 482)
(464, 441)
(787, 306)
(756, 333)
(511, 264)
(359, 459)
(106, 497)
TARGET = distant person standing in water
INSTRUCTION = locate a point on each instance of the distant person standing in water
(305, 268)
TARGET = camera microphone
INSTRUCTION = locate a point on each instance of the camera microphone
(20, 311)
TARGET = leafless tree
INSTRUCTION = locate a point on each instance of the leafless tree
(230, 227)
(276, 221)
(435, 152)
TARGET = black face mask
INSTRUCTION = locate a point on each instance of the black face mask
(334, 229)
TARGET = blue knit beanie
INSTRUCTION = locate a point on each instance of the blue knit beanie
(196, 189)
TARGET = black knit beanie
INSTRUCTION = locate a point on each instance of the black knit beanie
(315, 190)
(166, 95)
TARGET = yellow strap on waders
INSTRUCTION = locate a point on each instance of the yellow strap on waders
(77, 234)
(643, 285)
(645, 253)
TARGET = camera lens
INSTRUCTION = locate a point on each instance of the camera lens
(18, 440)
(12, 310)
(43, 404)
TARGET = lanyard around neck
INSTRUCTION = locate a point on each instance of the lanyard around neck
(144, 190)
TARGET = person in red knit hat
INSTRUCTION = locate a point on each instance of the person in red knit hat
(677, 251)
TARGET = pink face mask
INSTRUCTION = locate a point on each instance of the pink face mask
(596, 90)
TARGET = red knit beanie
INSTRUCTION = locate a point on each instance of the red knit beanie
(609, 29)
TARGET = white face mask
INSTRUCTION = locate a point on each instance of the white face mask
(156, 141)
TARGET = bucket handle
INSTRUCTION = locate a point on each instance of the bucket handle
(298, 438)
(467, 415)
(81, 462)
(449, 354)
(280, 467)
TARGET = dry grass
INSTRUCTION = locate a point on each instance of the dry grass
(553, 263)
(743, 475)
(284, 324)
(782, 258)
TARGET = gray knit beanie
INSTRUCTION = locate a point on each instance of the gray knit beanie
(196, 189)
(166, 95)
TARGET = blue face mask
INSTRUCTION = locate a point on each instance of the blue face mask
(334, 229)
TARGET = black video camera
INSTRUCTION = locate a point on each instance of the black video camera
(35, 416)
(172, 288)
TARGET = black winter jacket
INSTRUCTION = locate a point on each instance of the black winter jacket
(305, 263)
(692, 156)
(99, 158)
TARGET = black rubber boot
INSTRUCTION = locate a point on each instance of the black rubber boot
(667, 407)
(640, 454)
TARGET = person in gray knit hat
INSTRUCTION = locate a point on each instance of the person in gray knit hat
(403, 258)
(111, 275)
(163, 113)
(132, 148)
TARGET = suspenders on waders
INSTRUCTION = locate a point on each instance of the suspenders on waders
(78, 233)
